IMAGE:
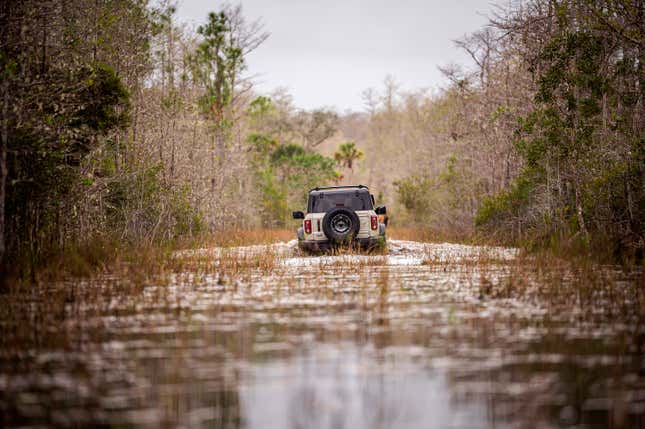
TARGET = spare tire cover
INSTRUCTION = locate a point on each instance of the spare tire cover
(341, 224)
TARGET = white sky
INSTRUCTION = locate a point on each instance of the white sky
(326, 52)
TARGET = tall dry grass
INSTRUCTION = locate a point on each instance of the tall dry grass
(241, 237)
(427, 235)
(140, 261)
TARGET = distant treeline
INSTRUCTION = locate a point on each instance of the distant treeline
(119, 122)
(541, 142)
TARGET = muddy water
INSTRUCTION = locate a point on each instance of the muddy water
(426, 336)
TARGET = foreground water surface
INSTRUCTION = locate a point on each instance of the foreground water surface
(438, 335)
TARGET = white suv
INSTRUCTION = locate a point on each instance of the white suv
(340, 215)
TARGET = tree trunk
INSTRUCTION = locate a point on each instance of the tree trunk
(4, 138)
(117, 151)
(172, 151)
(580, 216)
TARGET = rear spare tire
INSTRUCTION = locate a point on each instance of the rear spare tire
(341, 225)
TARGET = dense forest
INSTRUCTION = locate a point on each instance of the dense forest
(540, 142)
(118, 121)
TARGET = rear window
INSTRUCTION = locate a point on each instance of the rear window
(324, 202)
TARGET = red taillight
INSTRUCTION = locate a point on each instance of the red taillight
(308, 226)
(374, 220)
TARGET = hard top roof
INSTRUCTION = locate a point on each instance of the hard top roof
(318, 190)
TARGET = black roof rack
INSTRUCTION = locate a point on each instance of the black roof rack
(321, 188)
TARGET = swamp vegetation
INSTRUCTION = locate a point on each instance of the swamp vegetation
(148, 273)
(443, 335)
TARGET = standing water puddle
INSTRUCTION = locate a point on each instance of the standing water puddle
(430, 335)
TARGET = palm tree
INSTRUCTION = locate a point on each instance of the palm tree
(346, 154)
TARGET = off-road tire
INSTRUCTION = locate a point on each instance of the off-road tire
(341, 225)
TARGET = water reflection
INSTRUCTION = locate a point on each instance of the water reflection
(374, 342)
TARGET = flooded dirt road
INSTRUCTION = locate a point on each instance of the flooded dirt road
(429, 335)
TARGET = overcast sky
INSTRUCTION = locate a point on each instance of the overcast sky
(326, 52)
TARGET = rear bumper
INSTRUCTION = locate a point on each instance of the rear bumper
(325, 245)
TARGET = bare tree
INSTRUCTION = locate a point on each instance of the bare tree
(314, 127)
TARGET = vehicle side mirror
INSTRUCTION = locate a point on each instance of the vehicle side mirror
(298, 215)
(380, 210)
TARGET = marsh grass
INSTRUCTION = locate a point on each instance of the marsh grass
(60, 312)
(412, 234)
(357, 250)
(589, 290)
(80, 279)
(139, 261)
(236, 238)
(428, 235)
(565, 276)
(482, 258)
